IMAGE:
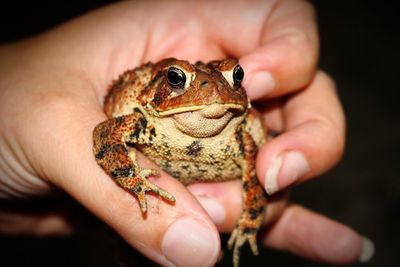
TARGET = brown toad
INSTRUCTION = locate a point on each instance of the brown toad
(195, 122)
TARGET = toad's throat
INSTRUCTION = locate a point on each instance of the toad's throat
(203, 123)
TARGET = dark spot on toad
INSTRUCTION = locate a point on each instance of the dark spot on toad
(185, 167)
(239, 140)
(245, 186)
(166, 165)
(155, 79)
(143, 123)
(159, 95)
(248, 230)
(138, 188)
(137, 110)
(104, 132)
(175, 174)
(157, 100)
(194, 148)
(123, 172)
(118, 148)
(119, 121)
(250, 184)
(136, 132)
(226, 149)
(254, 213)
(153, 131)
(103, 150)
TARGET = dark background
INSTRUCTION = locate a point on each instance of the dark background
(360, 49)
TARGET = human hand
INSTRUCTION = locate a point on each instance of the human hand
(52, 91)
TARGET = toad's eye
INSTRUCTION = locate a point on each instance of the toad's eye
(234, 76)
(176, 78)
(238, 74)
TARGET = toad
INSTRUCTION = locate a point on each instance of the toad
(196, 122)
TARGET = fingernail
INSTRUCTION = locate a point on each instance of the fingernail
(284, 170)
(271, 175)
(214, 209)
(367, 250)
(190, 243)
(260, 84)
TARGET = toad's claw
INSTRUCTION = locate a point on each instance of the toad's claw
(237, 239)
(140, 185)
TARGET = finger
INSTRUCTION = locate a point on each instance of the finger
(313, 140)
(319, 238)
(159, 234)
(221, 201)
(287, 55)
(50, 224)
(289, 227)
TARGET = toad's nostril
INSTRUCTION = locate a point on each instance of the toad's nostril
(204, 84)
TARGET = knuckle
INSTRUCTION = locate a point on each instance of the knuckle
(329, 142)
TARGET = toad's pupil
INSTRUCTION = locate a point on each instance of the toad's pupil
(176, 77)
(238, 74)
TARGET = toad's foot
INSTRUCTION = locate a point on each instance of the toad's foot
(140, 185)
(243, 232)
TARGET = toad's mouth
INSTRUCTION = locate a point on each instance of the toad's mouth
(207, 121)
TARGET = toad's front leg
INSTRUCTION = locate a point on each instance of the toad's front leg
(254, 200)
(119, 161)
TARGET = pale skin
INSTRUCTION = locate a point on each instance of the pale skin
(51, 92)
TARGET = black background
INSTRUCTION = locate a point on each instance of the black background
(360, 49)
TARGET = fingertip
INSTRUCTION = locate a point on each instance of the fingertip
(288, 52)
(276, 70)
(367, 250)
(189, 242)
(282, 162)
(259, 84)
(284, 170)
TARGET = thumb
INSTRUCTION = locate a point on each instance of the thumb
(180, 234)
(288, 53)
